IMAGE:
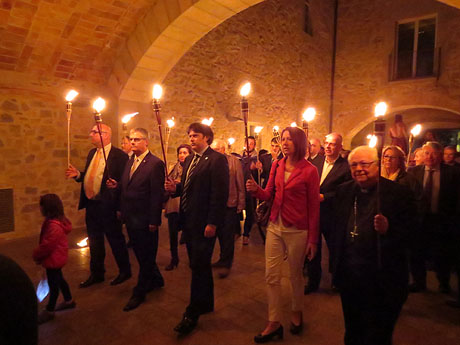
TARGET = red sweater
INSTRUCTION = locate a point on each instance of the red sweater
(297, 200)
(53, 247)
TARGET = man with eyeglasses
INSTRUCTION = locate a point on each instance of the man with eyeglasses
(333, 171)
(101, 206)
(372, 227)
(142, 191)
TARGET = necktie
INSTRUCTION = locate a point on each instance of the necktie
(428, 190)
(133, 167)
(89, 181)
(185, 189)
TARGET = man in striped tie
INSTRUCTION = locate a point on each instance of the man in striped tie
(204, 193)
(101, 205)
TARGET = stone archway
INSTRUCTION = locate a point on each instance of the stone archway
(162, 37)
(430, 116)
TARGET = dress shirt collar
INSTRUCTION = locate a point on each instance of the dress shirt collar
(141, 156)
(435, 168)
(201, 152)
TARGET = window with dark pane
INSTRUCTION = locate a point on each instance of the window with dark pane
(405, 50)
(425, 47)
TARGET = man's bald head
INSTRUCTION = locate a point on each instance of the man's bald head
(219, 145)
(106, 133)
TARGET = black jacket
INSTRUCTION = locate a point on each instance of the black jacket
(116, 162)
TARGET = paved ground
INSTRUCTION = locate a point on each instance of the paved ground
(240, 305)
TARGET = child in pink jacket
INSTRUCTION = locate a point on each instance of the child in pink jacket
(52, 254)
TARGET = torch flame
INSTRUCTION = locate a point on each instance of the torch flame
(83, 243)
(128, 117)
(245, 89)
(157, 91)
(309, 114)
(71, 95)
(276, 128)
(416, 130)
(373, 141)
(207, 122)
(99, 104)
(170, 122)
(258, 129)
(380, 109)
(293, 124)
(231, 141)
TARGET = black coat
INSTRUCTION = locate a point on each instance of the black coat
(142, 195)
(448, 203)
(398, 206)
(339, 174)
(116, 162)
(207, 194)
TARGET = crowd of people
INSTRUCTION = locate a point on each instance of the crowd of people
(382, 218)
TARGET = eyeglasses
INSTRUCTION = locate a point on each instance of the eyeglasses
(363, 164)
(390, 157)
(93, 132)
(136, 140)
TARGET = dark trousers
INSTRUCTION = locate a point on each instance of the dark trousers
(101, 219)
(225, 236)
(56, 283)
(249, 221)
(199, 250)
(145, 246)
(314, 270)
(434, 241)
(370, 313)
(174, 228)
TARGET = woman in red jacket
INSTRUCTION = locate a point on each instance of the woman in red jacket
(292, 231)
(52, 253)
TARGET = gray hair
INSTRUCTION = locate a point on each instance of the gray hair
(337, 136)
(369, 150)
(434, 145)
(142, 131)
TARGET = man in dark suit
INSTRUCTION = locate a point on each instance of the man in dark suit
(370, 237)
(440, 210)
(204, 192)
(333, 171)
(101, 205)
(266, 161)
(315, 147)
(142, 191)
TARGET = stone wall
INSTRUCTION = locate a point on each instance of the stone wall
(366, 38)
(33, 147)
(266, 45)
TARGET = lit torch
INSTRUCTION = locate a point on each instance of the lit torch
(69, 98)
(98, 106)
(413, 133)
(125, 119)
(379, 132)
(307, 116)
(277, 137)
(169, 125)
(257, 131)
(157, 92)
(230, 141)
(244, 92)
(83, 243)
(293, 124)
(208, 122)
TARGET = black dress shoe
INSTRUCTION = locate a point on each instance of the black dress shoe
(259, 338)
(134, 302)
(296, 329)
(91, 281)
(218, 264)
(309, 288)
(120, 278)
(185, 326)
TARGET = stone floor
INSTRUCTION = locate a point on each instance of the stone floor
(240, 305)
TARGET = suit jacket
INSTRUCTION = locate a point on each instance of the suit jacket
(116, 162)
(267, 162)
(142, 195)
(315, 160)
(448, 203)
(297, 199)
(398, 205)
(339, 174)
(207, 193)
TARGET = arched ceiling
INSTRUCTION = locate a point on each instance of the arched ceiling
(128, 44)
